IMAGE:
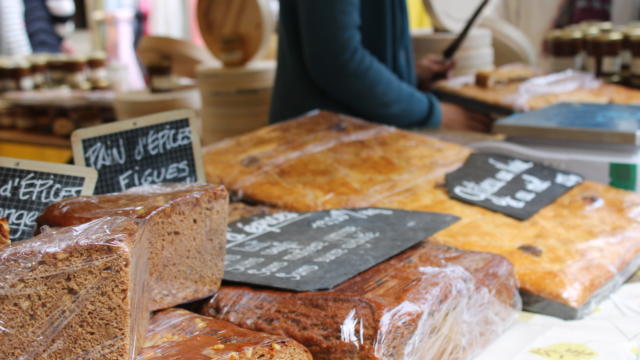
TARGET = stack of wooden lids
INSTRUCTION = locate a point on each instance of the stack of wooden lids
(140, 103)
(184, 57)
(476, 52)
(511, 45)
(236, 94)
(508, 43)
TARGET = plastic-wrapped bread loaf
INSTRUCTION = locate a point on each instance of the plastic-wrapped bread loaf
(430, 302)
(179, 334)
(75, 293)
(4, 233)
(188, 234)
(565, 253)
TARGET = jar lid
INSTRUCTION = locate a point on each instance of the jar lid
(554, 34)
(592, 34)
(634, 35)
(571, 34)
(97, 55)
(611, 36)
(606, 26)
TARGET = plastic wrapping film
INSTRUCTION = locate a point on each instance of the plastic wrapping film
(4, 233)
(565, 253)
(568, 86)
(188, 227)
(180, 334)
(430, 302)
(538, 92)
(75, 293)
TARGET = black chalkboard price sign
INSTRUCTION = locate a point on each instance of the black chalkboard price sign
(154, 149)
(317, 251)
(515, 187)
(27, 187)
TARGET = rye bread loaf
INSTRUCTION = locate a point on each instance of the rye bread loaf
(566, 252)
(187, 225)
(179, 334)
(430, 302)
(75, 293)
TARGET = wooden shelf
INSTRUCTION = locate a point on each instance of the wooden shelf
(33, 138)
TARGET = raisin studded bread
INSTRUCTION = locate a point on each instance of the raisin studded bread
(430, 302)
(565, 253)
(188, 234)
(4, 233)
(179, 334)
(75, 293)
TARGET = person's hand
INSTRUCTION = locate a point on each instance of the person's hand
(457, 118)
(431, 68)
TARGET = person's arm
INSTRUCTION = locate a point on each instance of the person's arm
(338, 63)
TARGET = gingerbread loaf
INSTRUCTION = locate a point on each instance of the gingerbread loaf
(75, 293)
(5, 233)
(430, 302)
(188, 234)
(179, 334)
(565, 253)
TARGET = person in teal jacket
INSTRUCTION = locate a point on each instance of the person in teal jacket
(355, 57)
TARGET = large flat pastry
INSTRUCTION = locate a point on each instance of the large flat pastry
(565, 253)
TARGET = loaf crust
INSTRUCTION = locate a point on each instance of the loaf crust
(188, 231)
(4, 233)
(324, 161)
(75, 293)
(180, 334)
(430, 302)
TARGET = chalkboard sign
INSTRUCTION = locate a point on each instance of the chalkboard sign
(153, 149)
(317, 251)
(27, 187)
(514, 187)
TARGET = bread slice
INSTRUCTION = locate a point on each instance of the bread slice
(187, 225)
(5, 233)
(325, 161)
(180, 334)
(75, 293)
(503, 75)
(430, 302)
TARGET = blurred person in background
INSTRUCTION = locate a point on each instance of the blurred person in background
(355, 57)
(13, 35)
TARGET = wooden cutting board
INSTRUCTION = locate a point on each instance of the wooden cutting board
(235, 31)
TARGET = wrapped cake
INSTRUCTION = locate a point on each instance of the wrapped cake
(430, 302)
(75, 293)
(187, 225)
